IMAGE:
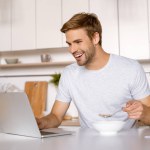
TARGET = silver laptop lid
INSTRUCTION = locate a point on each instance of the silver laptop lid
(16, 116)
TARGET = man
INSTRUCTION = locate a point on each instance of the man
(99, 83)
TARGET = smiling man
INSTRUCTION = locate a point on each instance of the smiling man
(99, 83)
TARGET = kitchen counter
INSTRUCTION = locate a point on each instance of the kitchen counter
(82, 139)
(72, 122)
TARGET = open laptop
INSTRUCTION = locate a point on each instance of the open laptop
(16, 117)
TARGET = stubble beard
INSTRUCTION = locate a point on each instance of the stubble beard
(89, 55)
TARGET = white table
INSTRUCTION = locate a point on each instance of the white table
(82, 139)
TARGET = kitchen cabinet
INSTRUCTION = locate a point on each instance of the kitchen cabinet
(71, 7)
(32, 24)
(107, 14)
(148, 3)
(5, 25)
(133, 28)
(23, 24)
(48, 23)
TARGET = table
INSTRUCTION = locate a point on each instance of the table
(82, 139)
(73, 122)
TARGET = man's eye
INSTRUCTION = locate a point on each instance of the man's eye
(69, 44)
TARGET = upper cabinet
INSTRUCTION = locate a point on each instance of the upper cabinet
(133, 28)
(36, 24)
(48, 23)
(5, 25)
(106, 10)
(71, 7)
(23, 24)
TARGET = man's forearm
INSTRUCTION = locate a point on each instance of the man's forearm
(56, 116)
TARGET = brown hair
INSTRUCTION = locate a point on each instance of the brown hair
(88, 21)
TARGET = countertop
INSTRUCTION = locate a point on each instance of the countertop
(81, 139)
(72, 122)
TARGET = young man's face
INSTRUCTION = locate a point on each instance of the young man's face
(81, 46)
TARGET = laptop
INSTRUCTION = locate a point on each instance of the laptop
(16, 117)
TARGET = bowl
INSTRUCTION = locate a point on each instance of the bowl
(11, 60)
(108, 127)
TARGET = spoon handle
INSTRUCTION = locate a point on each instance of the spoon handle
(117, 111)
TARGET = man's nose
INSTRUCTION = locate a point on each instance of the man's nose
(73, 48)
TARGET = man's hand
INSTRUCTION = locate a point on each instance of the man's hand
(42, 122)
(135, 109)
(139, 110)
(54, 119)
(49, 121)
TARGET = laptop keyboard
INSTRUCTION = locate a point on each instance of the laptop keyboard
(46, 133)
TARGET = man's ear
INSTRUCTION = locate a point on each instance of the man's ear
(96, 38)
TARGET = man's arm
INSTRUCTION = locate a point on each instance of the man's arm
(55, 118)
(139, 110)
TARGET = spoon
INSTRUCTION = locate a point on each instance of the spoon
(109, 115)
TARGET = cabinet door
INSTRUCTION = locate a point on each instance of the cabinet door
(71, 7)
(48, 19)
(133, 28)
(106, 10)
(5, 25)
(23, 24)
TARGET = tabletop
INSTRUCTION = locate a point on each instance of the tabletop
(81, 139)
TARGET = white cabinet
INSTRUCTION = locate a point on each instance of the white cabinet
(32, 24)
(71, 7)
(23, 24)
(5, 25)
(106, 10)
(149, 25)
(133, 28)
(48, 23)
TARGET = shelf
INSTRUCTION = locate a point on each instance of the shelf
(33, 51)
(144, 61)
(44, 64)
(47, 64)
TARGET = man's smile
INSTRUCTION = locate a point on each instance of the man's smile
(78, 55)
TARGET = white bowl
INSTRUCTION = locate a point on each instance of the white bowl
(11, 60)
(108, 127)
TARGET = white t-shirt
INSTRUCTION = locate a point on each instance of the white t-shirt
(103, 91)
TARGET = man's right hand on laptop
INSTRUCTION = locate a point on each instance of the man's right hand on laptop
(42, 123)
(54, 119)
(49, 121)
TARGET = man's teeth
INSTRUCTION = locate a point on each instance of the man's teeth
(78, 55)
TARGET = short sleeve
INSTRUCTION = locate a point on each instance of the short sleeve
(63, 88)
(139, 85)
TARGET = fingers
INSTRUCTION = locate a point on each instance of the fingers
(37, 120)
(40, 123)
(134, 109)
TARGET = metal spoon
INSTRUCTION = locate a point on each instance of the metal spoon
(109, 115)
